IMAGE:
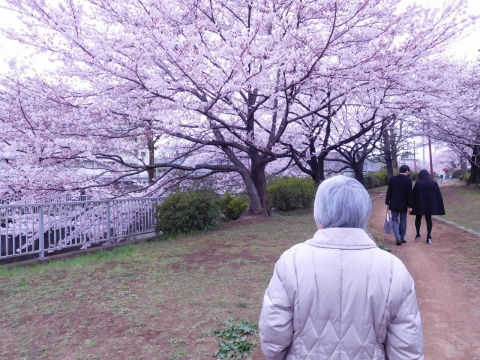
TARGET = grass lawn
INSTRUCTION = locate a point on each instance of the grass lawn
(153, 300)
(162, 299)
(462, 205)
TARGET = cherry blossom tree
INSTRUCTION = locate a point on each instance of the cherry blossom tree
(354, 154)
(347, 128)
(449, 111)
(229, 87)
(445, 158)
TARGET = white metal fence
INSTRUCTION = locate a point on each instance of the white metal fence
(44, 228)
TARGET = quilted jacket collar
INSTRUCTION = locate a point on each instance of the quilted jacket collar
(342, 238)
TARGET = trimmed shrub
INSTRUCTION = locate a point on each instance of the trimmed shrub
(367, 181)
(376, 179)
(233, 206)
(188, 211)
(456, 174)
(413, 175)
(382, 177)
(291, 193)
(371, 181)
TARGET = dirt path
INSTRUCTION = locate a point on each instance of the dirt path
(449, 303)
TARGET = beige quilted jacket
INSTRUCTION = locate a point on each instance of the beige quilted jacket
(338, 296)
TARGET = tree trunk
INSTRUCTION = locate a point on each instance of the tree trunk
(316, 164)
(475, 161)
(256, 184)
(394, 153)
(255, 205)
(319, 175)
(313, 163)
(358, 170)
(463, 166)
(388, 153)
(257, 194)
(151, 161)
(260, 181)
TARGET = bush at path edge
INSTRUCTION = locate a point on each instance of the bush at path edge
(188, 211)
(291, 193)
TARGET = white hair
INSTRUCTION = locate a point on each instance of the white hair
(342, 202)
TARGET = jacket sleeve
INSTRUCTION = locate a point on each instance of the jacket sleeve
(405, 332)
(389, 193)
(275, 325)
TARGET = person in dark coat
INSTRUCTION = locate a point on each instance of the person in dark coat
(427, 201)
(399, 200)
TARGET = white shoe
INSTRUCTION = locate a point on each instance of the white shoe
(429, 240)
(417, 239)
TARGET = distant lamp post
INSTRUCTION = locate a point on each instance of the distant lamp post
(429, 149)
(430, 153)
(414, 157)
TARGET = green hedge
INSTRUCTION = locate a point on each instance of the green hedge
(291, 193)
(192, 210)
(188, 211)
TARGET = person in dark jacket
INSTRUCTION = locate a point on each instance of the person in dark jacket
(399, 200)
(427, 201)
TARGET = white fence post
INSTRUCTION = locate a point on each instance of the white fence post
(41, 238)
(109, 228)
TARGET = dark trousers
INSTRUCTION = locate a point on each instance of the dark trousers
(418, 223)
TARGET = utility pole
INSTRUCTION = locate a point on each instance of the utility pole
(430, 151)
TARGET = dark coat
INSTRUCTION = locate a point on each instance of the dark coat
(399, 193)
(427, 200)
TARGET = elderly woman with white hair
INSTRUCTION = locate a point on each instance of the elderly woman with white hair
(337, 295)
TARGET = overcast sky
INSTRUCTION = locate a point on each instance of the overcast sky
(465, 48)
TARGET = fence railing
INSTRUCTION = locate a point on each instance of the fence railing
(44, 228)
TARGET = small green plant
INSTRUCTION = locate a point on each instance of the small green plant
(233, 206)
(176, 342)
(291, 193)
(384, 247)
(234, 344)
(188, 211)
(237, 348)
(90, 343)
